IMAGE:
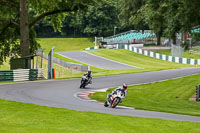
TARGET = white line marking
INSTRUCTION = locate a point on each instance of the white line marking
(110, 59)
(71, 59)
(83, 63)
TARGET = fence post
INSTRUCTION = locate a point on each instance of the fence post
(50, 63)
(197, 92)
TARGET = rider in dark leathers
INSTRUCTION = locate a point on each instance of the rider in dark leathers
(88, 75)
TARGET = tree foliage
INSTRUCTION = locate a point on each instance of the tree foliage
(11, 32)
(98, 20)
(129, 14)
(90, 17)
(168, 16)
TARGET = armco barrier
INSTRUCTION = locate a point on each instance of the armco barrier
(21, 75)
(6, 75)
(157, 55)
(69, 65)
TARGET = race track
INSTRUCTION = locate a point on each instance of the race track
(94, 60)
(62, 93)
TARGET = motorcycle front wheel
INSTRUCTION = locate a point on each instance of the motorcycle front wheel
(82, 84)
(106, 104)
(115, 102)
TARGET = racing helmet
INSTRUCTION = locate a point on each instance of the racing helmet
(124, 86)
(89, 71)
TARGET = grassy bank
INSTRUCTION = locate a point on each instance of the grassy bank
(65, 44)
(144, 63)
(60, 71)
(131, 58)
(18, 117)
(6, 65)
(168, 96)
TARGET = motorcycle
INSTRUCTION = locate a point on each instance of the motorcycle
(113, 100)
(84, 81)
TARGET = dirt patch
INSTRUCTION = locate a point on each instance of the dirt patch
(193, 98)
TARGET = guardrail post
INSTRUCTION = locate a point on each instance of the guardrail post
(197, 92)
(50, 63)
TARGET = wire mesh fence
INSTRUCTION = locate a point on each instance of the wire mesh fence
(177, 51)
(60, 71)
(64, 69)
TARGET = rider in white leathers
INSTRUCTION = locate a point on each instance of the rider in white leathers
(123, 89)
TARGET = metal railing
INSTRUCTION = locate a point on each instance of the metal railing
(116, 40)
(69, 65)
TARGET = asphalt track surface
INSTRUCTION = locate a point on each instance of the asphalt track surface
(95, 60)
(63, 93)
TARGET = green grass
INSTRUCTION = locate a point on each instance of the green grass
(131, 58)
(18, 117)
(68, 44)
(6, 65)
(168, 96)
(144, 63)
(61, 44)
(186, 54)
(65, 44)
(61, 72)
(94, 69)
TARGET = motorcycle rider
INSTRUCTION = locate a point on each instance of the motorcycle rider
(88, 75)
(123, 89)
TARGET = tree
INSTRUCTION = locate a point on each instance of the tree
(17, 18)
(98, 20)
(162, 16)
(129, 16)
(153, 13)
(181, 16)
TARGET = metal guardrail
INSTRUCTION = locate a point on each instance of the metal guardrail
(21, 75)
(6, 75)
(198, 93)
(111, 40)
(69, 65)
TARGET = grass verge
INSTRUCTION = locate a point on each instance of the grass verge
(60, 71)
(170, 96)
(134, 59)
(65, 44)
(124, 56)
(6, 65)
(145, 63)
(22, 118)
